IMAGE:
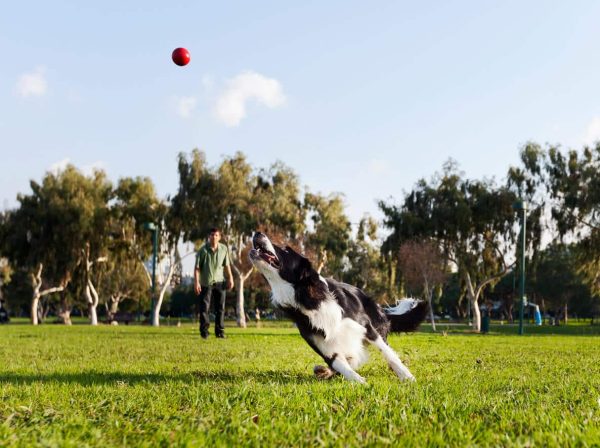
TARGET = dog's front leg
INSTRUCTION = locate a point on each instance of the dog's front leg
(340, 364)
(392, 359)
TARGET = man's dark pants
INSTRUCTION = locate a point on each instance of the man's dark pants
(216, 292)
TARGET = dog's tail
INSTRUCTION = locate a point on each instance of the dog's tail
(407, 315)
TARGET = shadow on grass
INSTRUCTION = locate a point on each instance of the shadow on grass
(120, 379)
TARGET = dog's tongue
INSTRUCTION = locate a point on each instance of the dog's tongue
(268, 256)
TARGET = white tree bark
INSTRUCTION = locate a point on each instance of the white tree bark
(91, 294)
(240, 279)
(163, 281)
(35, 303)
(161, 295)
(92, 300)
(429, 295)
(38, 293)
(473, 295)
(112, 304)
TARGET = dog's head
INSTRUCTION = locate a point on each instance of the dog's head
(276, 263)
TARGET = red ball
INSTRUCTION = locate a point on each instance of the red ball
(181, 56)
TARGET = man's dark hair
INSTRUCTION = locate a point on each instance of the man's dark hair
(214, 230)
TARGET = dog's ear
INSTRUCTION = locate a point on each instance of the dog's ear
(311, 289)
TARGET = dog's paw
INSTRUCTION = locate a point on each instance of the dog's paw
(359, 379)
(402, 372)
(323, 372)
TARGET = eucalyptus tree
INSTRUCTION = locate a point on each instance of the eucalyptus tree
(424, 269)
(472, 221)
(138, 212)
(570, 185)
(329, 237)
(573, 180)
(53, 229)
(218, 197)
(124, 277)
(557, 283)
(365, 266)
(277, 203)
(236, 198)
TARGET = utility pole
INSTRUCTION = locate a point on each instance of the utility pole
(521, 206)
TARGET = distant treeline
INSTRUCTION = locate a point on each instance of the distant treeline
(79, 241)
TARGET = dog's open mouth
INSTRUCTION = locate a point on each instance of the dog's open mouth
(261, 251)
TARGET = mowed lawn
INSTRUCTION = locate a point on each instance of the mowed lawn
(140, 386)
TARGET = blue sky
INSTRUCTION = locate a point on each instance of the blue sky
(362, 98)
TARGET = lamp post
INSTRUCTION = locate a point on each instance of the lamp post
(521, 206)
(154, 229)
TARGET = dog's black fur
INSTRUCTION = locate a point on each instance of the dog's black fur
(315, 299)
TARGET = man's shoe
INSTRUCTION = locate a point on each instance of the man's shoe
(222, 336)
(204, 335)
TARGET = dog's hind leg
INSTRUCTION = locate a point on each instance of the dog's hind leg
(340, 364)
(392, 359)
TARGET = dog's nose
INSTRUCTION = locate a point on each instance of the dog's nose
(258, 236)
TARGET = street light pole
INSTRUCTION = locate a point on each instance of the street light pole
(522, 207)
(152, 227)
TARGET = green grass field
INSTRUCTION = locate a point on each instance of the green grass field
(139, 386)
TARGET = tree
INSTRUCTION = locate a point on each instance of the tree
(237, 200)
(558, 284)
(137, 205)
(570, 191)
(472, 221)
(49, 232)
(330, 236)
(423, 268)
(573, 182)
(365, 267)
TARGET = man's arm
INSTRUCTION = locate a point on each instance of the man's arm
(197, 287)
(229, 277)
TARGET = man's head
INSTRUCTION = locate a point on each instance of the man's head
(214, 236)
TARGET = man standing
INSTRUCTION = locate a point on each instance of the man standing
(211, 260)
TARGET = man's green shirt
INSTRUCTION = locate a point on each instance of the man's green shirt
(211, 263)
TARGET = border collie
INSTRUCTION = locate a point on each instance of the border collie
(335, 319)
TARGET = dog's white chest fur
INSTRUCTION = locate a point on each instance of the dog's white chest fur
(327, 317)
(283, 293)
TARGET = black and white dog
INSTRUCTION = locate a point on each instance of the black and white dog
(335, 319)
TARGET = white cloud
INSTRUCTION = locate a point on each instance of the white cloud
(88, 170)
(592, 133)
(59, 166)
(185, 105)
(231, 104)
(32, 84)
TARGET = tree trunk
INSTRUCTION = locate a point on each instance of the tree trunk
(429, 295)
(322, 260)
(392, 278)
(566, 312)
(476, 315)
(35, 303)
(36, 282)
(93, 314)
(161, 296)
(431, 316)
(91, 296)
(473, 296)
(64, 314)
(112, 307)
(241, 314)
(240, 280)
